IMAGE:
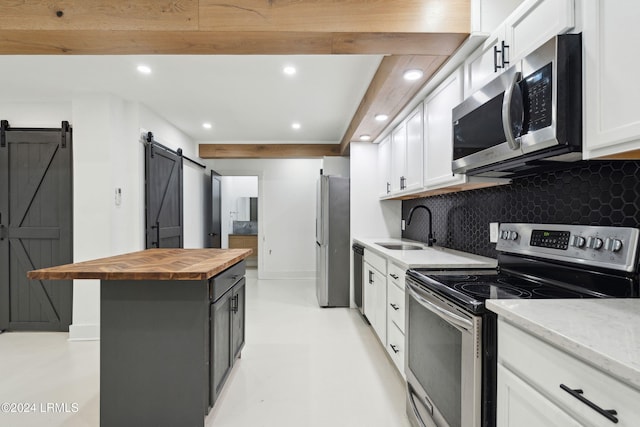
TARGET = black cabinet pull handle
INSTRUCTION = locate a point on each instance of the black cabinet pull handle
(577, 393)
(395, 276)
(505, 62)
(394, 306)
(370, 276)
(388, 187)
(394, 348)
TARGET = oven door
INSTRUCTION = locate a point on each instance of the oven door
(443, 361)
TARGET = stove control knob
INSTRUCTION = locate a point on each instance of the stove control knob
(504, 235)
(613, 245)
(594, 243)
(577, 241)
(513, 235)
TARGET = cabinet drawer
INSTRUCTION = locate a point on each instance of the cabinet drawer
(546, 367)
(395, 308)
(395, 346)
(221, 283)
(396, 274)
(376, 261)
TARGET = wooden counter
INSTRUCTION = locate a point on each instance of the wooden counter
(171, 327)
(150, 264)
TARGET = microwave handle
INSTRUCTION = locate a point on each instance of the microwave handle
(506, 111)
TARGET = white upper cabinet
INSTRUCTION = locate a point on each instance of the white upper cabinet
(611, 119)
(384, 167)
(438, 131)
(415, 128)
(529, 26)
(398, 157)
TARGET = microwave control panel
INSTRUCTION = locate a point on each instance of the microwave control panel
(538, 98)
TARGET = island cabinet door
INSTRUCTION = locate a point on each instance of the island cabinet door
(220, 344)
(237, 319)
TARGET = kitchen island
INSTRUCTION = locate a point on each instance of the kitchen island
(171, 326)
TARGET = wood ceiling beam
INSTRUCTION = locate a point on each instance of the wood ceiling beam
(267, 151)
(388, 94)
(232, 27)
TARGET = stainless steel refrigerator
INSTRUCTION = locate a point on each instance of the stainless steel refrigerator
(332, 241)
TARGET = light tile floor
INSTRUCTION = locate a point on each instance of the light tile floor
(301, 366)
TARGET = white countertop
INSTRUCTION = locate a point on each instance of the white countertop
(429, 257)
(602, 332)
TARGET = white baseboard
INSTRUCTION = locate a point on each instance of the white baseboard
(301, 275)
(86, 332)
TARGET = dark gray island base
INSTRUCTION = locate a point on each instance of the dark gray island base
(167, 345)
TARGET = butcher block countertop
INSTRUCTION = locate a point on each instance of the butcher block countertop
(150, 264)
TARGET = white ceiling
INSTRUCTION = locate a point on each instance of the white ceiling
(247, 98)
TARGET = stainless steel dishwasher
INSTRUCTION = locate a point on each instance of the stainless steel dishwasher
(358, 252)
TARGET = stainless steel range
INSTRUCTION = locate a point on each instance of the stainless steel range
(451, 337)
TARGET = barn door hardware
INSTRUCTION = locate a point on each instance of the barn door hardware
(152, 143)
(4, 125)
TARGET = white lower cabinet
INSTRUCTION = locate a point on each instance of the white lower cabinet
(520, 405)
(395, 346)
(538, 382)
(375, 299)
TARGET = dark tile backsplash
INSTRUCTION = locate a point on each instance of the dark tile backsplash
(590, 193)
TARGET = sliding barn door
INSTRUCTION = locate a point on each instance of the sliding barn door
(35, 227)
(163, 193)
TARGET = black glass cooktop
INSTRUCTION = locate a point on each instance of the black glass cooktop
(471, 288)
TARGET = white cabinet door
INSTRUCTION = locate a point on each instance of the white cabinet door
(384, 167)
(398, 157)
(438, 139)
(395, 346)
(414, 153)
(519, 405)
(375, 296)
(612, 122)
(484, 64)
(535, 22)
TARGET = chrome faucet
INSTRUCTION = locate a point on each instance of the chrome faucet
(430, 239)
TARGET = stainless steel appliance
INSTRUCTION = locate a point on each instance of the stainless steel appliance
(451, 338)
(332, 241)
(528, 118)
(358, 259)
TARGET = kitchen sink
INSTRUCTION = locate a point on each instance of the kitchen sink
(400, 246)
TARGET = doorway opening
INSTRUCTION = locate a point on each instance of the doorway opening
(240, 217)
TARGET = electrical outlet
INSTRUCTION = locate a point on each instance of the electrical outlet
(403, 226)
(493, 231)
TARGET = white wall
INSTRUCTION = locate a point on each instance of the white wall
(336, 166)
(233, 188)
(286, 212)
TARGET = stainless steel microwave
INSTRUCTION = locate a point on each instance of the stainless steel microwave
(527, 119)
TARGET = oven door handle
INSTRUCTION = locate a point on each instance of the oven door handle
(463, 323)
(414, 407)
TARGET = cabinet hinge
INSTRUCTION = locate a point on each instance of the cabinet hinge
(4, 125)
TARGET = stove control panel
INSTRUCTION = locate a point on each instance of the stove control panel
(608, 247)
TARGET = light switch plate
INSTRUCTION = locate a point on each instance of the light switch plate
(493, 232)
(403, 226)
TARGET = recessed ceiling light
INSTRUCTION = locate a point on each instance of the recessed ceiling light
(381, 117)
(289, 70)
(144, 69)
(295, 125)
(206, 125)
(365, 137)
(412, 75)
